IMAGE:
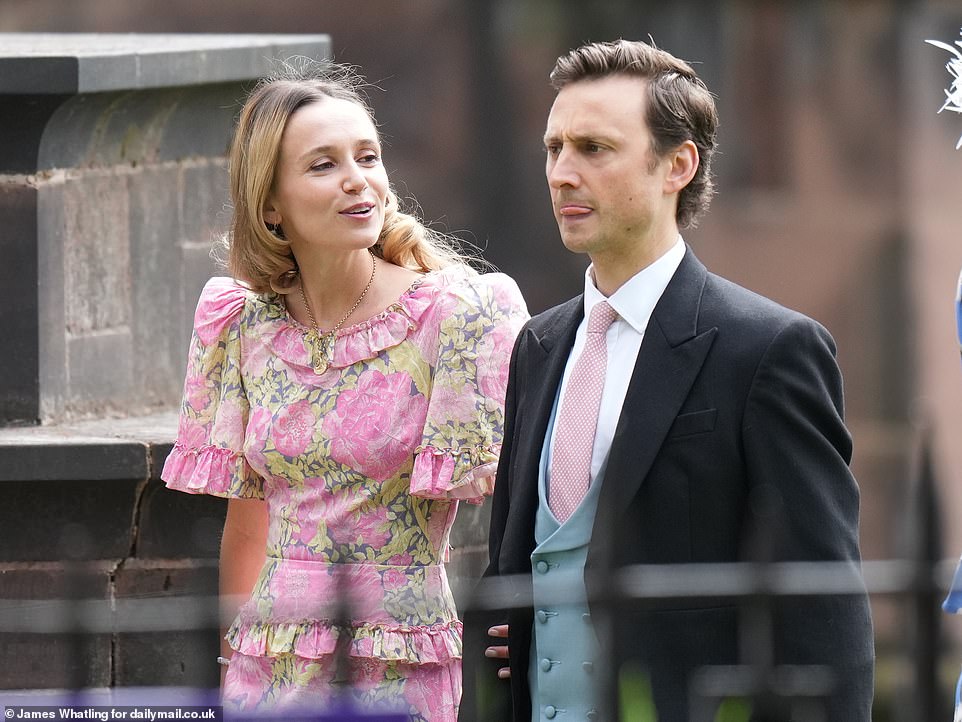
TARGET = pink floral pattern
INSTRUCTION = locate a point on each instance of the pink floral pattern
(377, 423)
(362, 468)
(293, 428)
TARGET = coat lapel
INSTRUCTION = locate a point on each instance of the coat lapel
(542, 361)
(670, 358)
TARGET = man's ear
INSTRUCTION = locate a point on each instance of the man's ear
(684, 164)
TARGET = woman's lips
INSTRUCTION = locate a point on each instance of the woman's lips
(360, 210)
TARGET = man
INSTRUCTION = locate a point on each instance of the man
(666, 416)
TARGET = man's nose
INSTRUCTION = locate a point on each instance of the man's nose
(561, 171)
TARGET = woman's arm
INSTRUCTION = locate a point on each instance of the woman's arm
(242, 552)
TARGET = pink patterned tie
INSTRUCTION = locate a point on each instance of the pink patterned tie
(574, 431)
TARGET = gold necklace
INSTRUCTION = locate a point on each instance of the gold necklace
(322, 360)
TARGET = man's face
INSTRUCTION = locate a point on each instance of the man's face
(607, 186)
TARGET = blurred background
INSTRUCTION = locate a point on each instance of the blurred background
(839, 189)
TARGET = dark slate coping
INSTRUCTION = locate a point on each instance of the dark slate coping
(68, 63)
(132, 448)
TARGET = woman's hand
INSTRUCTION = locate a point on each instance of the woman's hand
(499, 651)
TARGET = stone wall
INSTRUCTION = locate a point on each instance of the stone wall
(112, 189)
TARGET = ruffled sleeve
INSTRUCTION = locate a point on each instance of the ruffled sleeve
(458, 454)
(207, 457)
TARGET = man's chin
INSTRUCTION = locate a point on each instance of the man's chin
(576, 242)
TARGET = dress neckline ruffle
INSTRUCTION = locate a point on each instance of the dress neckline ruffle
(291, 340)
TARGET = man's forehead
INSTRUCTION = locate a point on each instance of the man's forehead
(590, 107)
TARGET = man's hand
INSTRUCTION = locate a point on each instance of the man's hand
(500, 651)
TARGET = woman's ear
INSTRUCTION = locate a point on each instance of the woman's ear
(271, 214)
(684, 165)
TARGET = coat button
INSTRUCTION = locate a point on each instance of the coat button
(586, 618)
(542, 616)
(542, 567)
(550, 711)
(592, 715)
(545, 665)
(588, 667)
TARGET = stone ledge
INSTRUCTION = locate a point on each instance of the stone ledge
(69, 63)
(100, 450)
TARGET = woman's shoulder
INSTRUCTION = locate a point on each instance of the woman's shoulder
(221, 302)
(464, 284)
(440, 298)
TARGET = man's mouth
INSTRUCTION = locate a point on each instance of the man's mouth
(573, 209)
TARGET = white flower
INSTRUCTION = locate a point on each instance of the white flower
(953, 95)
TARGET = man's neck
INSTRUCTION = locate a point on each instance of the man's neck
(612, 270)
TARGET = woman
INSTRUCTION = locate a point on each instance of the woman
(345, 392)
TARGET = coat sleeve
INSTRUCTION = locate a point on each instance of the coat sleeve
(805, 505)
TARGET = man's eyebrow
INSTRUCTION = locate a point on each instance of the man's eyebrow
(578, 139)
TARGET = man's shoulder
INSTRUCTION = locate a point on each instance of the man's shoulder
(724, 301)
(558, 315)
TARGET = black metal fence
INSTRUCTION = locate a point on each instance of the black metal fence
(918, 582)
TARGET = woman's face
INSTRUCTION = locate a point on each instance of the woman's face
(330, 187)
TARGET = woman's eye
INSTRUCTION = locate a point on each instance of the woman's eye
(369, 158)
(322, 165)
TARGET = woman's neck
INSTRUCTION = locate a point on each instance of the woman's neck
(333, 284)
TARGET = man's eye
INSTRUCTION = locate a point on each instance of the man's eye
(552, 149)
(593, 148)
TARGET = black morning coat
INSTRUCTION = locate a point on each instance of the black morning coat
(731, 446)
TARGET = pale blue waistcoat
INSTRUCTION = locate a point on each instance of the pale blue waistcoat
(564, 648)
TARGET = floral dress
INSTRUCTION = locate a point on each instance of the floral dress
(362, 467)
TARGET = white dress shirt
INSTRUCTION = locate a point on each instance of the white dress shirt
(635, 302)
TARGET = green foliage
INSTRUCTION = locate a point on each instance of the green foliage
(635, 703)
(735, 709)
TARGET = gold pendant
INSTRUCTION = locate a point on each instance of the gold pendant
(320, 364)
(320, 352)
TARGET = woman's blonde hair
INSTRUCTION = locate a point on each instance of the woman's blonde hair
(258, 255)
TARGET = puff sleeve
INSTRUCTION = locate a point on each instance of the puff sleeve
(207, 457)
(458, 454)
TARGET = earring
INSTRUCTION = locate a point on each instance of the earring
(276, 229)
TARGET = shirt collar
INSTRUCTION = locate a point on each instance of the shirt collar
(635, 301)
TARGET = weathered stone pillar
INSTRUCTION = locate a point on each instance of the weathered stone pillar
(112, 186)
